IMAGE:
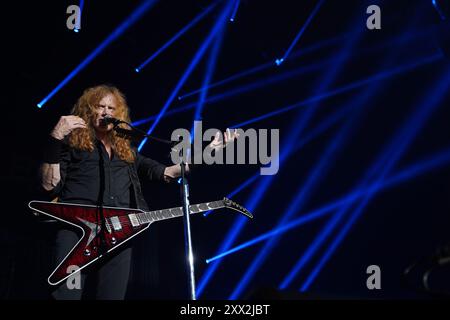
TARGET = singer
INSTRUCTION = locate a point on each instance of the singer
(87, 162)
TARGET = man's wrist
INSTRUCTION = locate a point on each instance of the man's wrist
(57, 136)
(52, 150)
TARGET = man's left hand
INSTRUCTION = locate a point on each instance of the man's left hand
(229, 136)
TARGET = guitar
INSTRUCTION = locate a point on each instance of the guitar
(105, 229)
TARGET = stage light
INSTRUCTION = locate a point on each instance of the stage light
(307, 188)
(303, 51)
(135, 15)
(354, 85)
(442, 7)
(388, 159)
(198, 55)
(267, 65)
(377, 77)
(302, 30)
(362, 99)
(236, 6)
(178, 35)
(344, 89)
(423, 166)
(279, 61)
(442, 29)
(207, 78)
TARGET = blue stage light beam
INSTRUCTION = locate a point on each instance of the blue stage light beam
(303, 194)
(234, 231)
(402, 40)
(295, 131)
(208, 75)
(236, 6)
(327, 123)
(298, 146)
(268, 65)
(81, 13)
(135, 16)
(401, 144)
(284, 76)
(320, 128)
(344, 89)
(175, 37)
(362, 99)
(384, 163)
(421, 167)
(252, 86)
(438, 9)
(241, 187)
(212, 267)
(354, 85)
(302, 30)
(293, 136)
(312, 180)
(398, 147)
(302, 70)
(240, 222)
(307, 255)
(199, 54)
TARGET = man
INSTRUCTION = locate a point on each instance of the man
(86, 162)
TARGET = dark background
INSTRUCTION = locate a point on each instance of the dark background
(399, 226)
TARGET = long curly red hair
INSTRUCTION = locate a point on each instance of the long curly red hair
(83, 139)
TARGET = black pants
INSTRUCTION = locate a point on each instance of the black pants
(103, 280)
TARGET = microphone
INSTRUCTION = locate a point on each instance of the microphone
(133, 133)
(107, 120)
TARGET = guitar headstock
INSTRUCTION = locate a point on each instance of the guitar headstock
(235, 206)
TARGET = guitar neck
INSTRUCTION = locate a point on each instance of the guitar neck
(164, 214)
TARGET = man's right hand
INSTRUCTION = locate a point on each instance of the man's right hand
(66, 125)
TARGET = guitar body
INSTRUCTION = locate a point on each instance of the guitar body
(97, 238)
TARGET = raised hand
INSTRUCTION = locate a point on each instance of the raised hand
(229, 136)
(66, 125)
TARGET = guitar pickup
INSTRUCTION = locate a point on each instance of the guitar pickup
(134, 220)
(116, 223)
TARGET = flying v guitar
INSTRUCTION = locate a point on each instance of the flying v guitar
(105, 229)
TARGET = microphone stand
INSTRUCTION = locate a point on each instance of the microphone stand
(187, 228)
(134, 133)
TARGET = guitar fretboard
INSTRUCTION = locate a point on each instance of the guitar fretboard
(157, 215)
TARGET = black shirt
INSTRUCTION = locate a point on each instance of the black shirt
(93, 178)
